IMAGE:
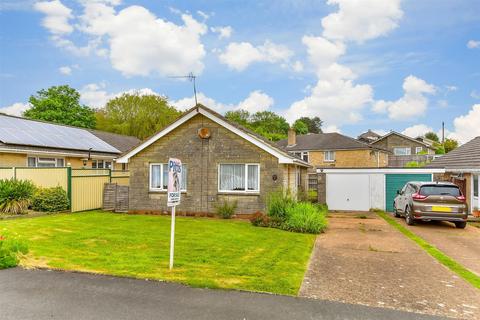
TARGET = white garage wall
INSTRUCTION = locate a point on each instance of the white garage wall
(377, 191)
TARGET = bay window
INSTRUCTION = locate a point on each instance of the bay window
(238, 177)
(159, 177)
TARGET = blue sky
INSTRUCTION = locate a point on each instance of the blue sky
(383, 65)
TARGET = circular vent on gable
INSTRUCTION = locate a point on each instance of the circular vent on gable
(204, 133)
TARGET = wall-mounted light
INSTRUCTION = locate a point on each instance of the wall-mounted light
(85, 161)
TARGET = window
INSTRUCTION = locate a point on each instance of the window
(475, 186)
(402, 151)
(329, 156)
(124, 166)
(60, 162)
(302, 155)
(32, 162)
(108, 164)
(239, 178)
(45, 162)
(418, 150)
(97, 164)
(159, 177)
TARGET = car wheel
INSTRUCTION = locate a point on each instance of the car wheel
(408, 217)
(461, 224)
(395, 211)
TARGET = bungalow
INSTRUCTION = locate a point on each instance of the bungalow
(333, 150)
(33, 143)
(462, 166)
(222, 162)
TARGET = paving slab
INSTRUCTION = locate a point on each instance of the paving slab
(42, 294)
(367, 261)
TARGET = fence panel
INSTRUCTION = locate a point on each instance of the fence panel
(312, 181)
(44, 177)
(122, 178)
(87, 188)
(6, 173)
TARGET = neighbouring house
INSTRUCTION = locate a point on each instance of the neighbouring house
(222, 161)
(462, 166)
(404, 149)
(369, 136)
(327, 150)
(33, 143)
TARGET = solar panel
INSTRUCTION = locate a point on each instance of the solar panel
(33, 133)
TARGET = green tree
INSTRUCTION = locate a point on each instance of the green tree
(270, 125)
(432, 136)
(300, 127)
(60, 104)
(450, 144)
(241, 117)
(136, 115)
(314, 124)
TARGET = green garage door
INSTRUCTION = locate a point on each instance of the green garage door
(396, 182)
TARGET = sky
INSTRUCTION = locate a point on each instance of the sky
(358, 65)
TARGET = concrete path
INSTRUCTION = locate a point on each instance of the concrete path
(41, 294)
(463, 245)
(366, 261)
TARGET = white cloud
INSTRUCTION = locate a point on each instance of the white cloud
(473, 44)
(475, 94)
(57, 16)
(239, 55)
(442, 103)
(361, 20)
(412, 104)
(135, 40)
(417, 130)
(223, 32)
(323, 53)
(297, 66)
(202, 14)
(16, 109)
(66, 70)
(256, 101)
(467, 126)
(331, 128)
(450, 88)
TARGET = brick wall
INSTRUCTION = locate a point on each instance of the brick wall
(202, 157)
(349, 159)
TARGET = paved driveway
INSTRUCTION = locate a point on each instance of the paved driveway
(366, 261)
(39, 294)
(463, 245)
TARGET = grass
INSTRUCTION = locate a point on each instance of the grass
(208, 252)
(434, 252)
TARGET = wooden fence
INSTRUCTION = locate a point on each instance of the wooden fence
(83, 186)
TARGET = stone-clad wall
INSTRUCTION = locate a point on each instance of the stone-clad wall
(350, 159)
(394, 140)
(202, 157)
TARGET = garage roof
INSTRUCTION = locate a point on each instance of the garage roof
(465, 158)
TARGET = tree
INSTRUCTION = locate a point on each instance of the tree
(314, 124)
(241, 117)
(450, 144)
(432, 136)
(136, 115)
(300, 127)
(60, 104)
(266, 123)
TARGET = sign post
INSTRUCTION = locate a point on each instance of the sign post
(173, 197)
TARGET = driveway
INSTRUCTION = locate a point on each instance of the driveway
(463, 245)
(41, 294)
(366, 261)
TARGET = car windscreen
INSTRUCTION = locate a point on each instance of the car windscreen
(440, 191)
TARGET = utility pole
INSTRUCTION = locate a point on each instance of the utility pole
(443, 133)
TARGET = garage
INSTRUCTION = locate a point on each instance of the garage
(365, 189)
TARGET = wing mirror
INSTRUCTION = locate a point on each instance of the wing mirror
(399, 192)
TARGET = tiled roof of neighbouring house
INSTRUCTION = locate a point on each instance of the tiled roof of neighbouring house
(369, 136)
(121, 142)
(323, 141)
(466, 156)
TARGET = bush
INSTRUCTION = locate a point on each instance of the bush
(260, 219)
(277, 204)
(15, 195)
(50, 200)
(10, 249)
(305, 217)
(227, 209)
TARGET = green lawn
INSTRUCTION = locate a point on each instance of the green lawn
(208, 252)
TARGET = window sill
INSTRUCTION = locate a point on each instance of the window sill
(163, 191)
(328, 160)
(239, 193)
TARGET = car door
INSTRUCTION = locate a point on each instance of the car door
(401, 199)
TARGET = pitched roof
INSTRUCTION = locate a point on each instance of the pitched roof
(403, 136)
(18, 132)
(323, 141)
(369, 135)
(259, 141)
(119, 141)
(466, 156)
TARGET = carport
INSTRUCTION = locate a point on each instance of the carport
(362, 189)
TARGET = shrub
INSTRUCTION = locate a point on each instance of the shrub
(50, 199)
(10, 249)
(277, 204)
(227, 209)
(15, 195)
(260, 219)
(305, 217)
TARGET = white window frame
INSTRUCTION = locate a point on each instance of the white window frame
(302, 154)
(161, 189)
(409, 153)
(246, 179)
(329, 159)
(418, 150)
(37, 161)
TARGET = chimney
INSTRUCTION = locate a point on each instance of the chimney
(292, 137)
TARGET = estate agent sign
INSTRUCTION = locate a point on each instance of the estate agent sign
(173, 196)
